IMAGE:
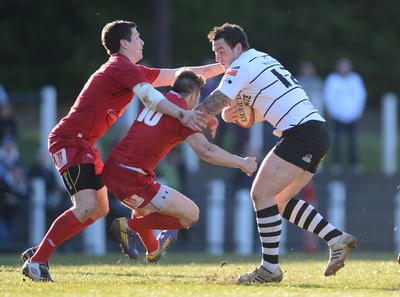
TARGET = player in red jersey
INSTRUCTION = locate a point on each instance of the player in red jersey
(72, 142)
(129, 171)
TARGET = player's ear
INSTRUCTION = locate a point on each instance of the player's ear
(238, 49)
(123, 43)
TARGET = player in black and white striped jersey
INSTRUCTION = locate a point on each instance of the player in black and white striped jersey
(262, 82)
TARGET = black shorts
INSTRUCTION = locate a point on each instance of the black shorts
(305, 145)
(81, 177)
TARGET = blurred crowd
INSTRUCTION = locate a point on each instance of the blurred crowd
(15, 179)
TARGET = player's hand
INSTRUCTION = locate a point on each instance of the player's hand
(249, 165)
(213, 125)
(194, 119)
(230, 114)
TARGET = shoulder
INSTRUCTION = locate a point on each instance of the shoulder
(176, 99)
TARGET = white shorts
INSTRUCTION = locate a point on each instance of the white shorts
(160, 199)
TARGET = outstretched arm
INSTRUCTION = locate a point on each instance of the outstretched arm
(218, 156)
(155, 100)
(166, 76)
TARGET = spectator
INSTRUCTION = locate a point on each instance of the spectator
(13, 199)
(345, 98)
(8, 124)
(3, 96)
(312, 84)
(9, 152)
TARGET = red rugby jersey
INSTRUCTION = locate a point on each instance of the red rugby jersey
(151, 137)
(104, 98)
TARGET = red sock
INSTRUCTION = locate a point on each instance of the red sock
(63, 228)
(145, 225)
(82, 226)
(154, 221)
(148, 239)
(79, 228)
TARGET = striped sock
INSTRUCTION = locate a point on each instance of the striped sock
(305, 216)
(269, 227)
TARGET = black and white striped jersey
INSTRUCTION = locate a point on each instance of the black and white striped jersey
(261, 81)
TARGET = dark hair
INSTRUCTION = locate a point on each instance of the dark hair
(231, 33)
(187, 82)
(113, 32)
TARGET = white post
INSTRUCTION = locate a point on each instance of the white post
(94, 238)
(37, 217)
(192, 161)
(243, 226)
(215, 223)
(336, 204)
(48, 114)
(131, 112)
(257, 137)
(389, 134)
(397, 222)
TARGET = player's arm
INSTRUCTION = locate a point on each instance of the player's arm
(216, 155)
(166, 76)
(211, 106)
(214, 103)
(154, 100)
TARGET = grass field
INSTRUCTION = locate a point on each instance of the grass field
(189, 274)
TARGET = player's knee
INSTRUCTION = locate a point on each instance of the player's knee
(195, 216)
(192, 217)
(255, 195)
(103, 210)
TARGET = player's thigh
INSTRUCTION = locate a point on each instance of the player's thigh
(180, 206)
(102, 197)
(102, 207)
(274, 175)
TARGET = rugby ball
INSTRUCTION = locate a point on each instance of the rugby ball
(246, 114)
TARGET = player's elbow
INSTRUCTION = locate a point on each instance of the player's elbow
(205, 152)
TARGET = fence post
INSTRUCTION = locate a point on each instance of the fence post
(48, 114)
(94, 238)
(389, 134)
(37, 213)
(336, 204)
(243, 225)
(215, 223)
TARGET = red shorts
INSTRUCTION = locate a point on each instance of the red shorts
(68, 152)
(132, 188)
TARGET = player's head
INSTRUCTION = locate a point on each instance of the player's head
(122, 37)
(344, 66)
(228, 41)
(188, 84)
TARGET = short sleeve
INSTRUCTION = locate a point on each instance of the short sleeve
(234, 80)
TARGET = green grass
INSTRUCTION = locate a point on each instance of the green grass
(189, 274)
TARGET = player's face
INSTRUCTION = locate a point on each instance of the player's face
(135, 46)
(223, 53)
